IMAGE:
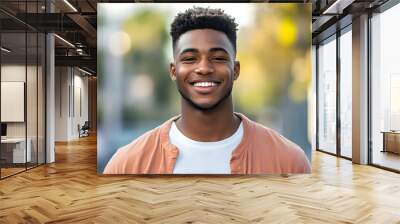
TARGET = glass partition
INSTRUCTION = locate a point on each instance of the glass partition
(346, 93)
(385, 89)
(31, 100)
(32, 85)
(41, 85)
(22, 77)
(13, 108)
(327, 95)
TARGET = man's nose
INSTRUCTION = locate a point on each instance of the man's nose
(204, 67)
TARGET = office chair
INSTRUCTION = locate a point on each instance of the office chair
(84, 130)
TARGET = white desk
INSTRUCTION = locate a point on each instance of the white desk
(19, 149)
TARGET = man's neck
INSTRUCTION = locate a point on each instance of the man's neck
(209, 125)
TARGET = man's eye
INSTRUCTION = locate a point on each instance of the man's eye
(219, 59)
(189, 59)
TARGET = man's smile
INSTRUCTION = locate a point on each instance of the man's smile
(205, 84)
(204, 87)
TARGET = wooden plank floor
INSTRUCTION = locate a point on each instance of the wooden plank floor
(70, 191)
(10, 171)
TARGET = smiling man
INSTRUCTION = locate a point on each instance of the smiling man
(208, 137)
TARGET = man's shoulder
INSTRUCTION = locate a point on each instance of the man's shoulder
(136, 152)
(149, 137)
(263, 135)
(266, 135)
(270, 143)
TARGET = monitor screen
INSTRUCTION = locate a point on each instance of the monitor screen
(3, 129)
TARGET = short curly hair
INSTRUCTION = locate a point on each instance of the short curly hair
(204, 18)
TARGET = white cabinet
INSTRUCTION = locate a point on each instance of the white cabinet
(18, 146)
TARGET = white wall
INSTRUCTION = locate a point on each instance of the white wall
(81, 100)
(12, 73)
(61, 103)
(70, 84)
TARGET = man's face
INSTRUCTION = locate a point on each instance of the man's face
(204, 67)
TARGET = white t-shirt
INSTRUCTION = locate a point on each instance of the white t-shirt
(203, 157)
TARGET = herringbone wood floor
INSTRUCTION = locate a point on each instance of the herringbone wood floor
(70, 191)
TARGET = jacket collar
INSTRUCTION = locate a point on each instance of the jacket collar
(248, 128)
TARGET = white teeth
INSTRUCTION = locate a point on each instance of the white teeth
(204, 84)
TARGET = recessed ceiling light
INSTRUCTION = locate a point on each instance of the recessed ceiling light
(84, 71)
(70, 5)
(64, 40)
(5, 50)
(337, 7)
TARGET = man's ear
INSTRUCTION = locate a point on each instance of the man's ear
(172, 71)
(236, 70)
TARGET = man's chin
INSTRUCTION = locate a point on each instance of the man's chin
(205, 104)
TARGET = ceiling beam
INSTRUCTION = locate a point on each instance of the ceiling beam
(83, 61)
(84, 24)
(337, 7)
(320, 22)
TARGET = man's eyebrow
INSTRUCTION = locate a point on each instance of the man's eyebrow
(194, 50)
(219, 49)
